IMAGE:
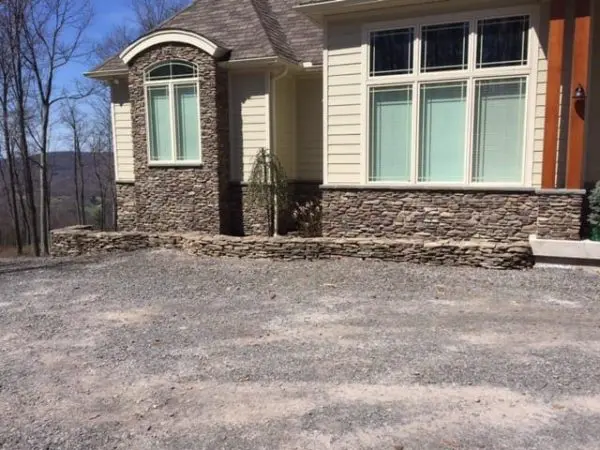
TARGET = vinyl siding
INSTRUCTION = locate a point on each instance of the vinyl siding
(284, 118)
(344, 59)
(122, 136)
(309, 98)
(540, 102)
(344, 111)
(248, 109)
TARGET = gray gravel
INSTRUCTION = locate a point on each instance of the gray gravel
(160, 350)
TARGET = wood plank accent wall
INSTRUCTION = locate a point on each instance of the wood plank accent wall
(580, 70)
(556, 39)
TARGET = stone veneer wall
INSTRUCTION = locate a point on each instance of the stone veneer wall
(183, 198)
(80, 241)
(247, 220)
(494, 216)
(126, 213)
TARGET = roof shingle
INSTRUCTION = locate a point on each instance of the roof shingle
(249, 28)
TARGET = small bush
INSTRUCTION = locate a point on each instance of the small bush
(308, 217)
(594, 217)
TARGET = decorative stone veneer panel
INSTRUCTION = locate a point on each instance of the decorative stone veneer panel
(247, 220)
(183, 198)
(429, 214)
(516, 255)
(561, 216)
(463, 215)
(126, 213)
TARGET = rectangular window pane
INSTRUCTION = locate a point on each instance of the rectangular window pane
(444, 47)
(187, 122)
(392, 52)
(499, 130)
(391, 135)
(502, 42)
(160, 124)
(442, 127)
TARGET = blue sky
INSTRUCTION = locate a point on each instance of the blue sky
(107, 13)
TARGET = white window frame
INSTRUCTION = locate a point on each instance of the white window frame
(171, 84)
(471, 75)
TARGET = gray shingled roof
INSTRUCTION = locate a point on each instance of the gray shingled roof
(249, 28)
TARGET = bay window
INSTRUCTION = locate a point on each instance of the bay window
(448, 101)
(173, 113)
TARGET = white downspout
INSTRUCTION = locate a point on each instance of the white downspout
(273, 126)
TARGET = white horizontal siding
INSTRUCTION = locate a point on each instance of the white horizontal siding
(540, 108)
(122, 134)
(248, 121)
(344, 103)
(309, 126)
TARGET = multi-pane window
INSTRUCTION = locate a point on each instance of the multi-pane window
(173, 113)
(447, 101)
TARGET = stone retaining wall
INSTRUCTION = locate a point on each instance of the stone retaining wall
(495, 216)
(81, 241)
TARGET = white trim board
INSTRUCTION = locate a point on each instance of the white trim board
(171, 36)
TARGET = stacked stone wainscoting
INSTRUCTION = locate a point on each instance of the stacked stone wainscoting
(515, 255)
(561, 215)
(248, 220)
(183, 198)
(492, 216)
(126, 213)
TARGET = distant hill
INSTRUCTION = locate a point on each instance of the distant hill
(63, 210)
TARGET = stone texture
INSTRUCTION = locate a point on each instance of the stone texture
(560, 216)
(247, 220)
(126, 213)
(514, 255)
(458, 215)
(183, 198)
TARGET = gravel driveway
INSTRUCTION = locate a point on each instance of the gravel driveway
(158, 350)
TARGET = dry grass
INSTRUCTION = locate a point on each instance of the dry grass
(11, 252)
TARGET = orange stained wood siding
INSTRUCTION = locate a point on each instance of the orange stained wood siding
(556, 40)
(580, 74)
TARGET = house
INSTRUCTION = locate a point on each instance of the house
(442, 119)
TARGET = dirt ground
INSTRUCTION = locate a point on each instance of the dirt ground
(158, 350)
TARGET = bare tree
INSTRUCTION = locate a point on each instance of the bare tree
(151, 13)
(14, 17)
(53, 36)
(72, 118)
(10, 179)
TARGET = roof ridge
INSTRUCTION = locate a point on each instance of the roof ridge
(271, 26)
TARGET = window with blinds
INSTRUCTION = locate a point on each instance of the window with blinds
(448, 101)
(173, 112)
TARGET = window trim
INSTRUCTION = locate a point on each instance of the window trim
(530, 71)
(170, 84)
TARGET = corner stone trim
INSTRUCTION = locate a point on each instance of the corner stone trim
(82, 241)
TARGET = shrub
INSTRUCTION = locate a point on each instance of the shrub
(268, 187)
(594, 217)
(308, 217)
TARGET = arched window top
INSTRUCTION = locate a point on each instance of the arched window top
(172, 70)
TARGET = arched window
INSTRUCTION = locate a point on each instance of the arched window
(173, 112)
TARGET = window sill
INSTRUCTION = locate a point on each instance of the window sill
(175, 164)
(431, 187)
